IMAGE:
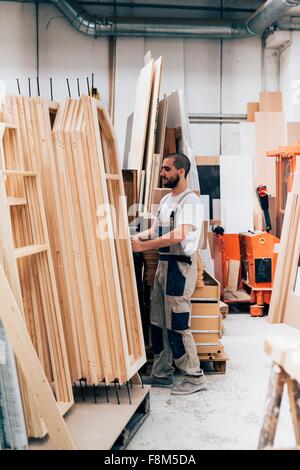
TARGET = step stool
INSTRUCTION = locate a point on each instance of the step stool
(285, 370)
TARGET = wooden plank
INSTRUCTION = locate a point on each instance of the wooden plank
(293, 132)
(252, 108)
(30, 250)
(161, 126)
(140, 117)
(270, 133)
(270, 101)
(233, 275)
(210, 161)
(152, 129)
(15, 328)
(16, 201)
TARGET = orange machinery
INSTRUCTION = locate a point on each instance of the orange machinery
(258, 262)
(253, 256)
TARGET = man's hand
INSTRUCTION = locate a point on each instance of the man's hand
(137, 245)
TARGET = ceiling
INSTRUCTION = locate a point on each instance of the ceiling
(196, 9)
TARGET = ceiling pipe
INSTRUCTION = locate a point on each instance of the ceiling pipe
(269, 13)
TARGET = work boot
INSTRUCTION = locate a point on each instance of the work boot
(187, 388)
(155, 382)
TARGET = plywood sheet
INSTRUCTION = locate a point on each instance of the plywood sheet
(177, 117)
(270, 101)
(140, 118)
(270, 133)
(252, 108)
(293, 132)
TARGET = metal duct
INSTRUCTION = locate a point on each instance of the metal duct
(92, 25)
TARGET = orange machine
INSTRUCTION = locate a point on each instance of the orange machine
(258, 263)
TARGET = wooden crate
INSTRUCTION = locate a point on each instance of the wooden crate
(205, 308)
(209, 348)
(209, 322)
(211, 290)
(206, 336)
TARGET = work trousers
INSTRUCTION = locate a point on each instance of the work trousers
(174, 284)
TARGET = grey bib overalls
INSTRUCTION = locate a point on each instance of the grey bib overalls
(174, 284)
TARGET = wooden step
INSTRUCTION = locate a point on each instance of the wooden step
(16, 201)
(110, 176)
(29, 250)
(18, 173)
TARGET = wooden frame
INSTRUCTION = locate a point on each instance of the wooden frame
(27, 261)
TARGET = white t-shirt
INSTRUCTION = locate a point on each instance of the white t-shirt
(190, 211)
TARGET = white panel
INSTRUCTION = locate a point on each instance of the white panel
(241, 74)
(216, 209)
(230, 139)
(205, 139)
(202, 75)
(236, 186)
(65, 53)
(248, 142)
(171, 51)
(17, 45)
(128, 67)
(205, 201)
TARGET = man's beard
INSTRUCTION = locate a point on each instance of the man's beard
(172, 183)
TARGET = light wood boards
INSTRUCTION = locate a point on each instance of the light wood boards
(270, 101)
(140, 117)
(149, 162)
(293, 132)
(252, 108)
(284, 306)
(91, 187)
(27, 262)
(270, 133)
(177, 117)
(15, 327)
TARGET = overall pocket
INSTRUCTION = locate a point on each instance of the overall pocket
(175, 280)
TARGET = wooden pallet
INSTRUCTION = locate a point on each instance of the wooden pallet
(104, 425)
(214, 363)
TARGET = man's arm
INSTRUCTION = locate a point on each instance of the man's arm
(146, 234)
(171, 238)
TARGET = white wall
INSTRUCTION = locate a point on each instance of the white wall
(17, 45)
(212, 84)
(65, 53)
(290, 78)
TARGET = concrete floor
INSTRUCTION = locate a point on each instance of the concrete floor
(230, 413)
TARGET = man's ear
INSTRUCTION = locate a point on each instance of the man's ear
(181, 172)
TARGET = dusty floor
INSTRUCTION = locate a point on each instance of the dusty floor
(230, 413)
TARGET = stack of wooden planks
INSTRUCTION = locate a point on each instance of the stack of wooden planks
(285, 300)
(206, 318)
(159, 128)
(26, 259)
(106, 318)
(82, 311)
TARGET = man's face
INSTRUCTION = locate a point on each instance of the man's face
(169, 173)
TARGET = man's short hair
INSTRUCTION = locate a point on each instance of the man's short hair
(180, 161)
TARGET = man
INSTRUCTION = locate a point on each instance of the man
(176, 233)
